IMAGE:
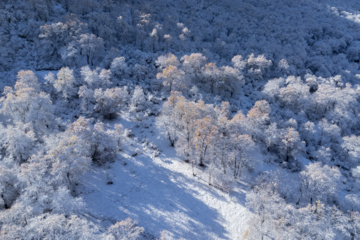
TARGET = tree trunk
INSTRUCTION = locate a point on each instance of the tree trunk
(223, 162)
(298, 202)
(202, 156)
(235, 167)
(172, 142)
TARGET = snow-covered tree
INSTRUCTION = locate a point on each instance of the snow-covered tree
(258, 118)
(173, 78)
(91, 48)
(188, 113)
(87, 99)
(319, 182)
(169, 118)
(204, 138)
(167, 60)
(295, 95)
(58, 40)
(211, 77)
(292, 145)
(65, 83)
(257, 66)
(19, 142)
(119, 67)
(27, 79)
(138, 100)
(239, 62)
(64, 203)
(223, 143)
(242, 154)
(313, 221)
(231, 80)
(28, 105)
(268, 208)
(351, 147)
(92, 78)
(192, 64)
(70, 158)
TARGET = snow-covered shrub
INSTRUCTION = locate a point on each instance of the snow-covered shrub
(79, 146)
(8, 186)
(110, 102)
(125, 230)
(105, 143)
(62, 202)
(222, 181)
(52, 226)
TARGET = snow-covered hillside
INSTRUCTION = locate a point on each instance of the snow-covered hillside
(186, 119)
(162, 194)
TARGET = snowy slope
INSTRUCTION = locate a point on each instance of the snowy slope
(162, 194)
(291, 67)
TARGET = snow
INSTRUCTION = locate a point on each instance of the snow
(299, 58)
(162, 194)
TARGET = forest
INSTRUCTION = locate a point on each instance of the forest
(191, 119)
